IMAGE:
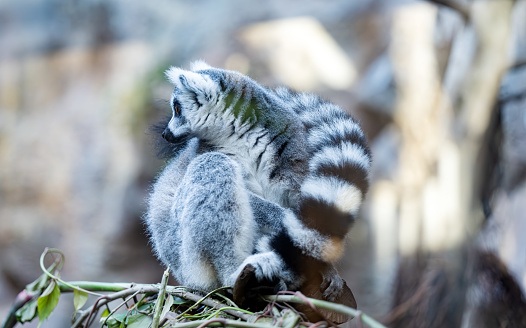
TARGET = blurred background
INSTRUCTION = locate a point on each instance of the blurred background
(439, 87)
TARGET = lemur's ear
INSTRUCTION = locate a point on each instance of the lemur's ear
(199, 65)
(185, 79)
(196, 87)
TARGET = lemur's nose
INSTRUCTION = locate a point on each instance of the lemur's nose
(168, 135)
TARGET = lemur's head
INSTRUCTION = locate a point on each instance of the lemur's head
(200, 101)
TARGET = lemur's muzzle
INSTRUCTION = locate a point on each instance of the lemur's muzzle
(169, 136)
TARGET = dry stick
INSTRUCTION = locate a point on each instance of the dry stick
(160, 299)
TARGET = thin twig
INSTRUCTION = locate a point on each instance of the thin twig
(216, 323)
(319, 324)
(201, 300)
(216, 312)
(206, 323)
(118, 307)
(61, 263)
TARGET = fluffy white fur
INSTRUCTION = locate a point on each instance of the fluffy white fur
(345, 196)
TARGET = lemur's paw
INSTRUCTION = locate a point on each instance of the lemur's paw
(247, 287)
(245, 281)
(260, 273)
(268, 266)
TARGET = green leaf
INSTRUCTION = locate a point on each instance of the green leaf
(146, 307)
(79, 299)
(115, 321)
(41, 283)
(48, 301)
(139, 320)
(104, 314)
(167, 306)
(179, 300)
(28, 312)
(111, 323)
(120, 317)
(290, 318)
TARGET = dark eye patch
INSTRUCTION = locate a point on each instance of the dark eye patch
(176, 107)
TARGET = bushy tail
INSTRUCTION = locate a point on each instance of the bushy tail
(339, 166)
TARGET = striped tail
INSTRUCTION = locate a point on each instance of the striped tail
(338, 177)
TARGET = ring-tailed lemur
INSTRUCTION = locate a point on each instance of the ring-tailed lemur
(270, 178)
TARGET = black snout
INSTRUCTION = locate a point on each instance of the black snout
(168, 136)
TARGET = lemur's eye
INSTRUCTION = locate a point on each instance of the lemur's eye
(176, 105)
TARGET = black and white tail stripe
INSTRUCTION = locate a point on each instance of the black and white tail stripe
(339, 165)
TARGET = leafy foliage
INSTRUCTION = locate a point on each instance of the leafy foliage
(145, 305)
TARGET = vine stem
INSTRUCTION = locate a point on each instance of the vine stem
(328, 306)
(227, 308)
(59, 266)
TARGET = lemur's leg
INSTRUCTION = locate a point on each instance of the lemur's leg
(269, 266)
(216, 222)
(163, 227)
